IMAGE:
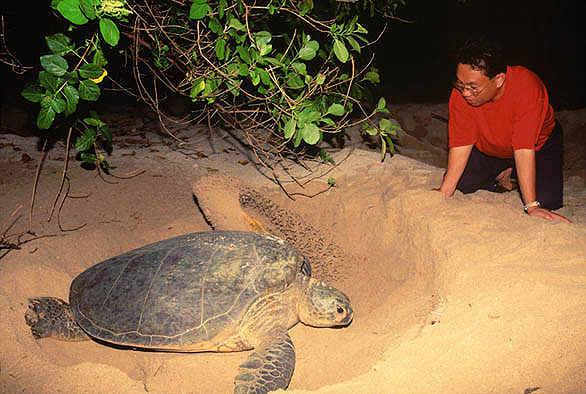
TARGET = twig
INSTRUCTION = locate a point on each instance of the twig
(61, 207)
(14, 63)
(35, 183)
(9, 225)
(63, 174)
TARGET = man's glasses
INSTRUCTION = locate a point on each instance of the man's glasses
(462, 87)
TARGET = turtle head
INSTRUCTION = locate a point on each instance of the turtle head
(324, 306)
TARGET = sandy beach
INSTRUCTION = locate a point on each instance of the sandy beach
(451, 295)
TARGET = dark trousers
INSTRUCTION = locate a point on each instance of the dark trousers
(481, 171)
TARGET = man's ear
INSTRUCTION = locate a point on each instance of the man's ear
(500, 79)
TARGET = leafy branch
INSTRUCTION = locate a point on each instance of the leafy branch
(283, 73)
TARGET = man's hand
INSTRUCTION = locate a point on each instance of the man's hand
(457, 160)
(546, 214)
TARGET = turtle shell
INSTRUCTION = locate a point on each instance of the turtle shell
(183, 291)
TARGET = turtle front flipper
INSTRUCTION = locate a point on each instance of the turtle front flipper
(269, 367)
(52, 317)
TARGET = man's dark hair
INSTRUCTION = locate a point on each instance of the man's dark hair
(483, 55)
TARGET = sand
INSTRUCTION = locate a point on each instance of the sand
(459, 295)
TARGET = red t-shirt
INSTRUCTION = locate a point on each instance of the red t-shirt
(521, 118)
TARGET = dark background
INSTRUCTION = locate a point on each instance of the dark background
(414, 59)
(546, 36)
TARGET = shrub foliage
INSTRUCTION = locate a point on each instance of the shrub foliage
(281, 72)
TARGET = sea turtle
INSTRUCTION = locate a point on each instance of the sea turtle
(219, 291)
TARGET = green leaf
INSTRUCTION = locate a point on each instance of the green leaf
(110, 32)
(90, 71)
(305, 6)
(232, 69)
(45, 118)
(70, 9)
(382, 103)
(373, 77)
(327, 158)
(372, 131)
(197, 87)
(255, 77)
(215, 25)
(243, 53)
(353, 43)
(105, 131)
(327, 121)
(306, 53)
(58, 105)
(243, 70)
(48, 81)
(262, 40)
(340, 51)
(99, 58)
(265, 49)
(313, 44)
(297, 138)
(71, 98)
(88, 7)
(93, 122)
(71, 77)
(89, 90)
(309, 115)
(383, 149)
(264, 77)
(59, 43)
(199, 9)
(390, 144)
(273, 62)
(311, 134)
(262, 37)
(336, 109)
(290, 128)
(221, 7)
(33, 92)
(233, 87)
(236, 24)
(46, 101)
(54, 64)
(89, 158)
(385, 125)
(299, 67)
(360, 29)
(351, 25)
(220, 48)
(309, 50)
(86, 140)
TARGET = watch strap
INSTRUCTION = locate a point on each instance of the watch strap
(530, 205)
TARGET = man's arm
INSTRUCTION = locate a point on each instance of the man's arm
(457, 160)
(525, 163)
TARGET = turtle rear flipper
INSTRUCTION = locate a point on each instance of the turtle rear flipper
(52, 317)
(269, 367)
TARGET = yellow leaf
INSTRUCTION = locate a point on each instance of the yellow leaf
(100, 78)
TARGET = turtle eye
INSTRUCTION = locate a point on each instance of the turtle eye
(340, 310)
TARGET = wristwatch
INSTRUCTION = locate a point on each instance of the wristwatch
(530, 205)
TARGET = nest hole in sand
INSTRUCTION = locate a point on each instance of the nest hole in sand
(385, 266)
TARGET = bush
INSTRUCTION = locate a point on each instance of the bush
(284, 73)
